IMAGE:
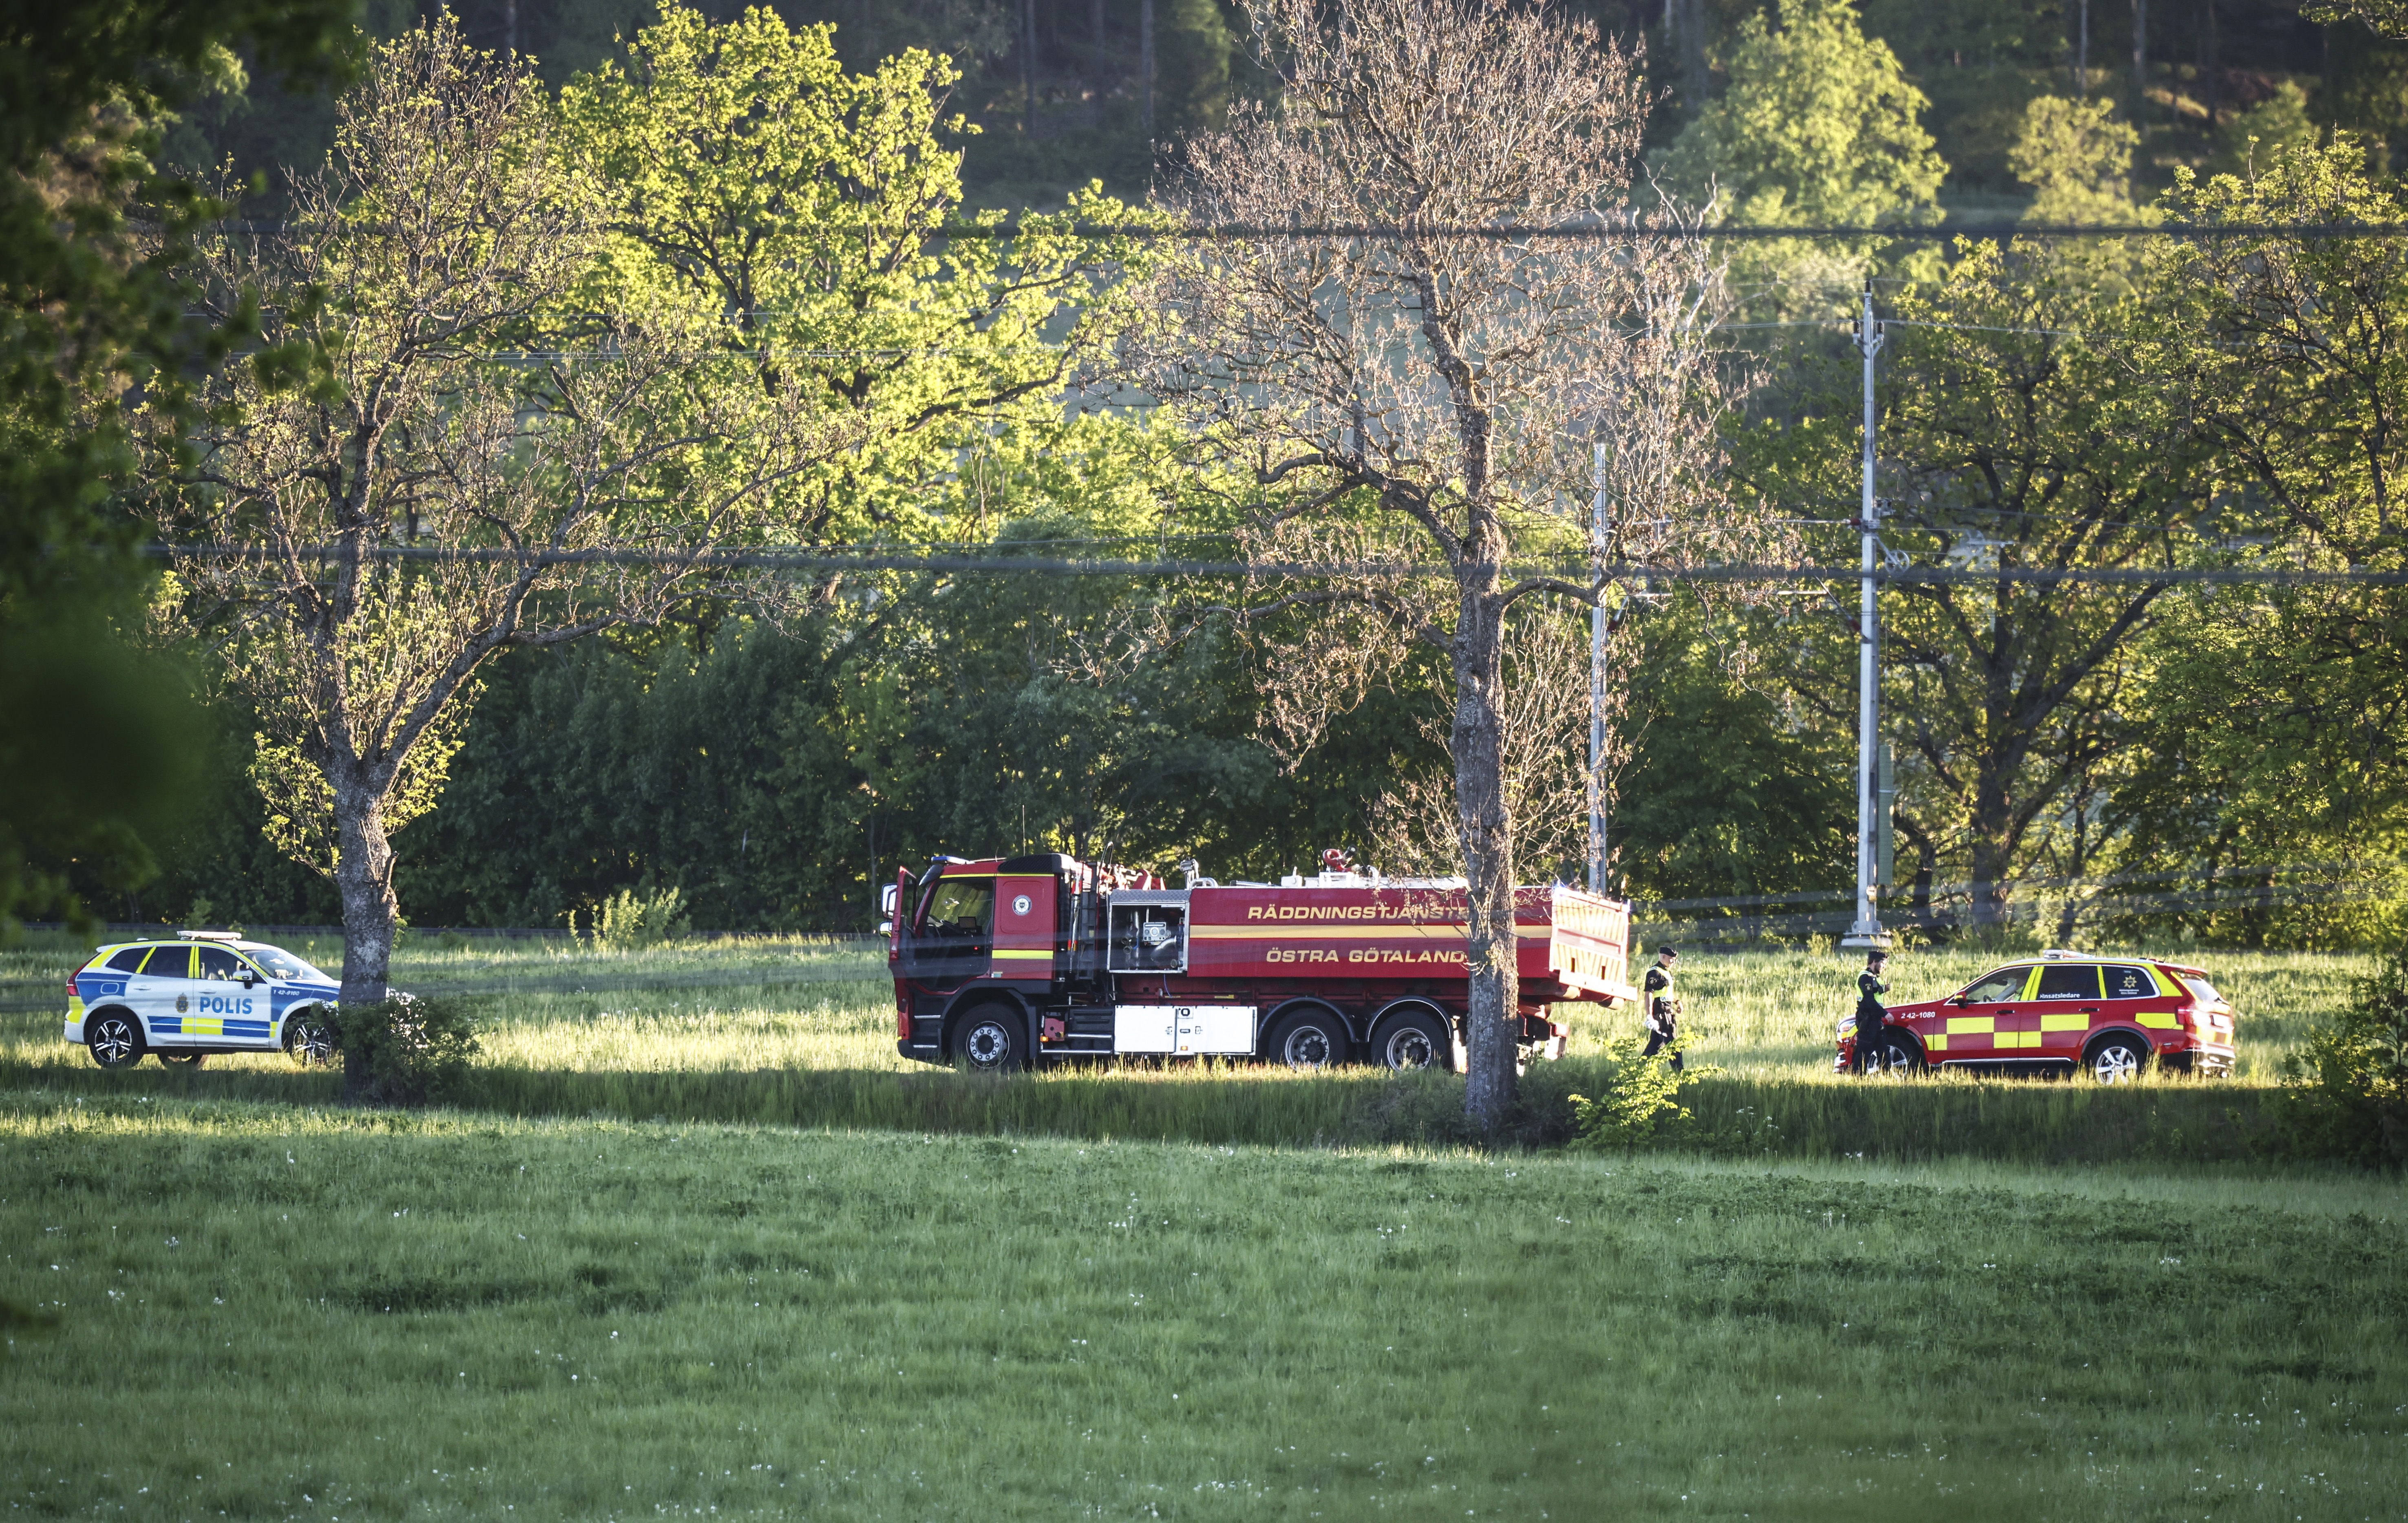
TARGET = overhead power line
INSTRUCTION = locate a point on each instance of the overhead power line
(1579, 571)
(1589, 232)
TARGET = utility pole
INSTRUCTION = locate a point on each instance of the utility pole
(1600, 626)
(1868, 930)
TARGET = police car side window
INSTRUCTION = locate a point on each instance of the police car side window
(126, 961)
(217, 962)
(2130, 983)
(2068, 981)
(169, 962)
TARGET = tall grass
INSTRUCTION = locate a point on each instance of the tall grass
(800, 1033)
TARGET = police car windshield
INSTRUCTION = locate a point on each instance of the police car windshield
(284, 964)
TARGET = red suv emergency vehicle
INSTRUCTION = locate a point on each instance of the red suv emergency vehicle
(2110, 1016)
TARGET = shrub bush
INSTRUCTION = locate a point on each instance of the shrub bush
(2346, 1091)
(1641, 1098)
(628, 921)
(405, 1051)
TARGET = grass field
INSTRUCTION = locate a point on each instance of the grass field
(800, 1033)
(702, 1245)
(271, 1311)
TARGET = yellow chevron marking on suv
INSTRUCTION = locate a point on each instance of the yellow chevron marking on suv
(2051, 1021)
(1936, 1043)
(1972, 1024)
(2018, 1039)
(2161, 1019)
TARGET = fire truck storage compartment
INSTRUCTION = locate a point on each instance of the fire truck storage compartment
(1183, 1028)
(1149, 931)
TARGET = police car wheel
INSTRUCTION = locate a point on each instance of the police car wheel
(1411, 1041)
(2118, 1060)
(989, 1040)
(1309, 1041)
(309, 1039)
(183, 1060)
(115, 1039)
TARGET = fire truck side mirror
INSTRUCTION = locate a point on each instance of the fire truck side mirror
(886, 901)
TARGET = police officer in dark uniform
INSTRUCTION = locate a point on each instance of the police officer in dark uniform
(1869, 1013)
(1662, 1005)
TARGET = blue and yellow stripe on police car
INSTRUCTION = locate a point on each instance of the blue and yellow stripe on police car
(206, 1026)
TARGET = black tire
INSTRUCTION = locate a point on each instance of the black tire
(992, 1039)
(2116, 1059)
(115, 1038)
(1896, 1053)
(1411, 1041)
(1309, 1041)
(309, 1038)
(183, 1060)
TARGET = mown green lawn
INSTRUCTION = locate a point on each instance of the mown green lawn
(273, 1311)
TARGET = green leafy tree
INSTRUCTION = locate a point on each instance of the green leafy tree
(1725, 795)
(2278, 720)
(1818, 127)
(2017, 432)
(447, 416)
(2078, 159)
(760, 191)
(2389, 17)
(2347, 1089)
(1192, 68)
(2272, 127)
(91, 306)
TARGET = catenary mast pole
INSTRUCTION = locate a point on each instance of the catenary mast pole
(1600, 626)
(1867, 932)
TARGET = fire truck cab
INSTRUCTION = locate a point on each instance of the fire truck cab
(1003, 961)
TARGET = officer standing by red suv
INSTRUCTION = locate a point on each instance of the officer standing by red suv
(1869, 1013)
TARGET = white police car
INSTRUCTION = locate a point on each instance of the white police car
(204, 991)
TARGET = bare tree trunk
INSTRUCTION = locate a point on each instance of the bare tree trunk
(1492, 1025)
(364, 882)
(1028, 66)
(2139, 54)
(1993, 860)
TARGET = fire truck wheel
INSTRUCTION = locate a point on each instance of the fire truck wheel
(989, 1040)
(1310, 1040)
(1412, 1040)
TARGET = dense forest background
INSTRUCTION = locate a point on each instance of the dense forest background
(774, 777)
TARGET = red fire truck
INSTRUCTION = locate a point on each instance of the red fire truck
(1007, 960)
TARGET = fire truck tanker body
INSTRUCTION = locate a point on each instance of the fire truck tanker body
(1007, 960)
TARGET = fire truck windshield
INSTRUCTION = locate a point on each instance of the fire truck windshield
(961, 913)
